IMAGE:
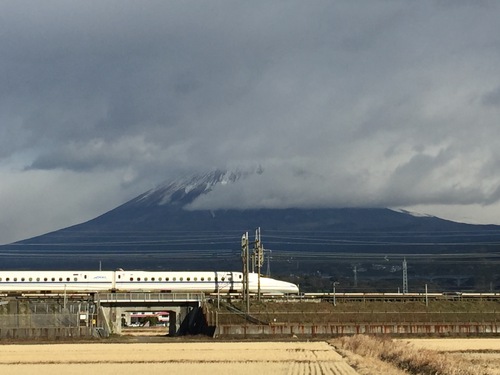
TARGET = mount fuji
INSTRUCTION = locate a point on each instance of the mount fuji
(173, 227)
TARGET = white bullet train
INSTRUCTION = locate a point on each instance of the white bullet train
(130, 281)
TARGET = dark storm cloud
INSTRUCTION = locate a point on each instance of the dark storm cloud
(342, 103)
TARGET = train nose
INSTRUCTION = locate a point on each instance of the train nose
(292, 288)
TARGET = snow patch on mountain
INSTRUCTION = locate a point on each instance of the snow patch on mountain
(411, 213)
(186, 189)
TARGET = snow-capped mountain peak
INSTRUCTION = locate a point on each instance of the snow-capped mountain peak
(411, 213)
(186, 189)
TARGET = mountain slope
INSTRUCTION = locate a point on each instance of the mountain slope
(155, 230)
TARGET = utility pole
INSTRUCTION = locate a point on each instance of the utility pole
(426, 297)
(244, 257)
(269, 256)
(258, 257)
(355, 276)
(405, 277)
(335, 283)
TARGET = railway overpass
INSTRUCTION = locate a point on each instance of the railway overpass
(32, 315)
(185, 310)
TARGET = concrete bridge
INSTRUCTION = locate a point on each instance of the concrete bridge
(185, 310)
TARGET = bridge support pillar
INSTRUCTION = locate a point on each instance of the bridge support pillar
(112, 319)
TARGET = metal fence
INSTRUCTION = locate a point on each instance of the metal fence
(46, 326)
(40, 320)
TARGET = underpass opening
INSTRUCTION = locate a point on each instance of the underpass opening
(151, 322)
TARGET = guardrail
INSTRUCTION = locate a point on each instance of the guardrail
(373, 296)
(149, 297)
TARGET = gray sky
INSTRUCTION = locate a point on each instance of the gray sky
(343, 103)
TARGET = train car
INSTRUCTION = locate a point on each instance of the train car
(125, 281)
(78, 281)
(194, 281)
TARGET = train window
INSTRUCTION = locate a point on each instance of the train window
(22, 278)
(181, 278)
(138, 279)
(7, 279)
(0, 279)
(195, 279)
(31, 279)
(119, 276)
(15, 278)
(152, 279)
(60, 279)
(84, 276)
(202, 279)
(75, 279)
(37, 279)
(44, 279)
(223, 279)
(159, 279)
(131, 279)
(174, 279)
(167, 278)
(67, 279)
(53, 279)
(145, 279)
(241, 276)
(188, 279)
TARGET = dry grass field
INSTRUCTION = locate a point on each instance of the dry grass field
(367, 356)
(292, 358)
(483, 353)
(423, 356)
(456, 345)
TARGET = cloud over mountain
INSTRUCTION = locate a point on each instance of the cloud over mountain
(342, 103)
